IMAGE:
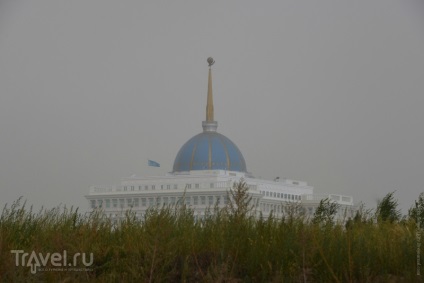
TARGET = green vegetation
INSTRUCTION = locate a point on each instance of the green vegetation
(228, 245)
(387, 209)
(325, 212)
(417, 212)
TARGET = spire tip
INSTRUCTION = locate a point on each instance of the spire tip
(211, 61)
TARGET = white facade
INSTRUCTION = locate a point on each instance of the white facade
(202, 190)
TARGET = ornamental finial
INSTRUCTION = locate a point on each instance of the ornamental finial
(211, 61)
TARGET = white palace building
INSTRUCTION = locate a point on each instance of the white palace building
(204, 171)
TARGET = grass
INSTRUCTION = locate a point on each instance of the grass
(168, 245)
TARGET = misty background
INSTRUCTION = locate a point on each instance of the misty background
(328, 92)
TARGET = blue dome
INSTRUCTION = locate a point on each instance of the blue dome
(209, 151)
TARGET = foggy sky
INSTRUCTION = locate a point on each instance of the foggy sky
(328, 92)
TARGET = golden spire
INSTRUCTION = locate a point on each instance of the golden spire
(209, 125)
(209, 105)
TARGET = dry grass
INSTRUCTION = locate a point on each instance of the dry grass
(168, 245)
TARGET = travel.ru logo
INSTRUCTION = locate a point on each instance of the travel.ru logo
(59, 261)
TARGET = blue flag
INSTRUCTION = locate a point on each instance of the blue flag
(153, 163)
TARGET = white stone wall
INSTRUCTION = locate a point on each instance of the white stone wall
(203, 190)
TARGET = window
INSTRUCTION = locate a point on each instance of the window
(132, 188)
(139, 188)
(125, 188)
(143, 202)
(179, 201)
(278, 195)
(188, 186)
(151, 201)
(153, 187)
(129, 202)
(115, 202)
(210, 198)
(187, 200)
(121, 202)
(175, 186)
(267, 194)
(161, 187)
(212, 185)
(107, 203)
(93, 203)
(172, 200)
(168, 187)
(196, 186)
(275, 194)
(99, 202)
(195, 200)
(218, 200)
(225, 199)
(135, 202)
(146, 187)
(158, 200)
(165, 200)
(203, 200)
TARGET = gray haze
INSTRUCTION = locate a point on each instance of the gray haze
(329, 92)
